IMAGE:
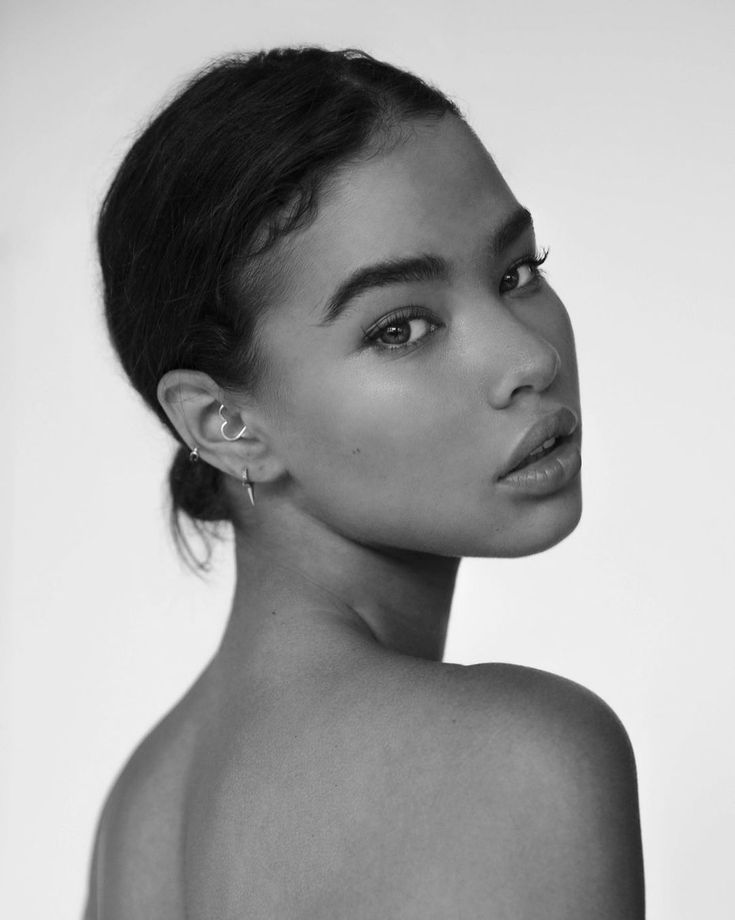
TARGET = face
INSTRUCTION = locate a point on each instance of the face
(415, 344)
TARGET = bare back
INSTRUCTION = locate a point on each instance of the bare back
(417, 790)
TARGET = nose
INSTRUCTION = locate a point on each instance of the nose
(525, 361)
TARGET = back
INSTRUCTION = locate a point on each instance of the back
(421, 791)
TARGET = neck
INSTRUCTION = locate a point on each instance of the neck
(299, 584)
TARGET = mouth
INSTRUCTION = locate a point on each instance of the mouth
(548, 447)
(550, 435)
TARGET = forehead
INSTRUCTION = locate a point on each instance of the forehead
(434, 188)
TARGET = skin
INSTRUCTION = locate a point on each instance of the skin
(374, 470)
(327, 763)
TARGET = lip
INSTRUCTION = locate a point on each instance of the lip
(549, 474)
(558, 424)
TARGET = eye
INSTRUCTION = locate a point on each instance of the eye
(401, 330)
(523, 272)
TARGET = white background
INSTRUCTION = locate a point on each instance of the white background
(614, 123)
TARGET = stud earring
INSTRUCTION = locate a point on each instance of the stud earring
(224, 425)
(194, 453)
(248, 485)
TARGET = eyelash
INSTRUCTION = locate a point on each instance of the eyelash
(535, 262)
(399, 317)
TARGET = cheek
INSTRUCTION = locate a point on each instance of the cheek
(363, 424)
(364, 442)
(563, 333)
(569, 373)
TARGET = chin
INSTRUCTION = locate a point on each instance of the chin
(552, 525)
(537, 527)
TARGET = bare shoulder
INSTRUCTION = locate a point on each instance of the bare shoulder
(137, 839)
(416, 789)
(539, 708)
(551, 773)
(504, 706)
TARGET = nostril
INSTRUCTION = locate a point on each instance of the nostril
(525, 386)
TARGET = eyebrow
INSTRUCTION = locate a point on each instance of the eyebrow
(425, 267)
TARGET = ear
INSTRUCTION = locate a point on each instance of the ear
(192, 401)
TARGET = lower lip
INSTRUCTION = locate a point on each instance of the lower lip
(551, 473)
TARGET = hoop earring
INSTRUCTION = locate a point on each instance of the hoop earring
(224, 425)
(248, 485)
(194, 453)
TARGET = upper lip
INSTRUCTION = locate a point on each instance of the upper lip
(558, 424)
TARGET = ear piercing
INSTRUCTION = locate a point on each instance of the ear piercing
(247, 484)
(224, 425)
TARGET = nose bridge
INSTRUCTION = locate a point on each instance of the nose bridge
(518, 357)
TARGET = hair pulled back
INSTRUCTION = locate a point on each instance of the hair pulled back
(235, 161)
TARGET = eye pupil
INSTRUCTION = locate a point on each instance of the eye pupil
(399, 337)
(511, 278)
(404, 330)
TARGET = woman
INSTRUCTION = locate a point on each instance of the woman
(316, 276)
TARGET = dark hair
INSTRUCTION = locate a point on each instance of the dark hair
(235, 161)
